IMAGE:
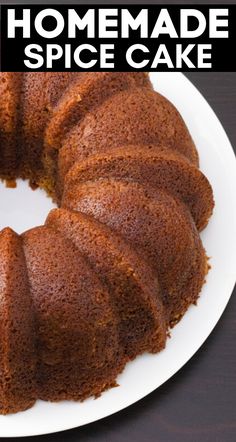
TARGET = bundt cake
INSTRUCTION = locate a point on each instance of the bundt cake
(120, 260)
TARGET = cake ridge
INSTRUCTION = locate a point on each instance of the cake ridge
(137, 213)
(118, 267)
(84, 96)
(160, 170)
(18, 390)
(134, 116)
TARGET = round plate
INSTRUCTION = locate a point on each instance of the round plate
(219, 238)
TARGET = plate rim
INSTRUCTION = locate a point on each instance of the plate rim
(228, 292)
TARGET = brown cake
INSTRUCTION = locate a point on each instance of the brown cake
(39, 95)
(9, 108)
(132, 284)
(78, 349)
(17, 328)
(120, 261)
(160, 169)
(135, 116)
(156, 225)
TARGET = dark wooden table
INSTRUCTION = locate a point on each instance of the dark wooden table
(199, 403)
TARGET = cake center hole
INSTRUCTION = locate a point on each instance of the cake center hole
(22, 208)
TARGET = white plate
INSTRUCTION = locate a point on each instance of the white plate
(148, 372)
